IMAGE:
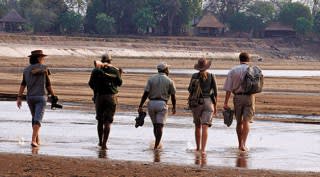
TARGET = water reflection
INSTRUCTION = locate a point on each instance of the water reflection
(242, 159)
(200, 159)
(35, 150)
(156, 156)
(102, 153)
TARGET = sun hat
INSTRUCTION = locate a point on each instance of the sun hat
(202, 65)
(162, 66)
(37, 53)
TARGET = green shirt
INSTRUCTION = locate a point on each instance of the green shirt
(105, 81)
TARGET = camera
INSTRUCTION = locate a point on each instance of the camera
(140, 119)
(54, 102)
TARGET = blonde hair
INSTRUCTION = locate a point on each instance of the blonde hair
(203, 75)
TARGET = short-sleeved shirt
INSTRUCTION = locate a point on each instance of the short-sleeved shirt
(160, 86)
(105, 81)
(234, 78)
(36, 78)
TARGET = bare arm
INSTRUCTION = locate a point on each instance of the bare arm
(173, 101)
(20, 94)
(143, 99)
(226, 100)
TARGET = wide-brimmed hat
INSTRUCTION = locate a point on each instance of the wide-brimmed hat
(37, 53)
(202, 65)
(162, 66)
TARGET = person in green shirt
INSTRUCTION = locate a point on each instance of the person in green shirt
(104, 81)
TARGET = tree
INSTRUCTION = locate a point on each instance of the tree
(70, 22)
(105, 24)
(173, 8)
(43, 14)
(239, 22)
(78, 6)
(144, 19)
(290, 12)
(316, 23)
(303, 26)
(94, 7)
(225, 9)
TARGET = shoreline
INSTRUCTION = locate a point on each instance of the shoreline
(43, 165)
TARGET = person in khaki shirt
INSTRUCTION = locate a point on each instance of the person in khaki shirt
(244, 104)
(159, 89)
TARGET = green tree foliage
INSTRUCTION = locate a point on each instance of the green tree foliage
(70, 22)
(3, 8)
(94, 8)
(144, 18)
(105, 24)
(303, 26)
(226, 9)
(316, 23)
(290, 12)
(43, 14)
(239, 22)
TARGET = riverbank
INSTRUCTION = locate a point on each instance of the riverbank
(41, 165)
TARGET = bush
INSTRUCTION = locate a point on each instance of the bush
(105, 24)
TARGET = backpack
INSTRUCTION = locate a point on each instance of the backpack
(195, 97)
(253, 80)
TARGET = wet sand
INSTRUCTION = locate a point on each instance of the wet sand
(41, 165)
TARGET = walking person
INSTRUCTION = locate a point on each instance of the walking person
(204, 105)
(159, 89)
(244, 103)
(36, 79)
(104, 81)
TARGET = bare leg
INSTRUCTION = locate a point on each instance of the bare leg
(38, 139)
(244, 134)
(106, 132)
(158, 128)
(197, 134)
(239, 132)
(100, 131)
(204, 138)
(35, 132)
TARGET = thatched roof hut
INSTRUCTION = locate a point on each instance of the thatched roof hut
(277, 29)
(12, 21)
(209, 25)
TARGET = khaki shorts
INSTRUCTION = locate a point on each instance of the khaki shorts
(158, 111)
(244, 107)
(202, 114)
(105, 107)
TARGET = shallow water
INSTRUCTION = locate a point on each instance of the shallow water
(272, 145)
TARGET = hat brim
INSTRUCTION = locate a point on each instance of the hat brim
(202, 68)
(38, 55)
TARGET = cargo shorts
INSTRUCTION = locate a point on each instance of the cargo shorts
(105, 107)
(202, 114)
(244, 107)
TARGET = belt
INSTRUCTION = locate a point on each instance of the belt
(158, 99)
(242, 94)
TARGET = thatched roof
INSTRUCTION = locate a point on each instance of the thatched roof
(209, 21)
(13, 16)
(276, 26)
